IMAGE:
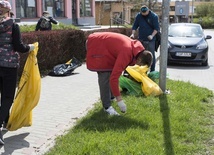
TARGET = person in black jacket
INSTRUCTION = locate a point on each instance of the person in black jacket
(45, 22)
(146, 22)
(10, 44)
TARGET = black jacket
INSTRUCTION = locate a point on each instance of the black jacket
(50, 20)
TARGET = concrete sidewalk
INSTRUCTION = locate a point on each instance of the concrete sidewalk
(62, 101)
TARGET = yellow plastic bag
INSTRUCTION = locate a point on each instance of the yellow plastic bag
(139, 73)
(27, 95)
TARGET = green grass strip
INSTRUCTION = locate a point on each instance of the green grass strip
(180, 123)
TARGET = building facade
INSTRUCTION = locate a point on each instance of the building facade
(76, 12)
(178, 8)
(110, 12)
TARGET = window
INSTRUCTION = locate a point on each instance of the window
(25, 9)
(54, 7)
(117, 18)
(85, 8)
(172, 8)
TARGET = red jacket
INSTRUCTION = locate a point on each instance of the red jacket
(108, 51)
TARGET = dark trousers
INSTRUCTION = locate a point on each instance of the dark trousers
(105, 90)
(8, 78)
(150, 46)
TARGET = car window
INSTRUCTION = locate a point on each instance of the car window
(193, 31)
(196, 31)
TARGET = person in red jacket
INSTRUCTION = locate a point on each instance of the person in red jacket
(109, 54)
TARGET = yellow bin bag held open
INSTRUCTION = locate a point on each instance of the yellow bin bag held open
(139, 73)
(27, 95)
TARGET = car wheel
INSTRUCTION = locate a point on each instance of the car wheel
(205, 63)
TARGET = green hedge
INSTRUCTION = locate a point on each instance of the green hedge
(206, 22)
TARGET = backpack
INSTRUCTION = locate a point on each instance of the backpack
(44, 23)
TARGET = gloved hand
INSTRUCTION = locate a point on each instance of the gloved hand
(32, 47)
(150, 37)
(132, 36)
(122, 106)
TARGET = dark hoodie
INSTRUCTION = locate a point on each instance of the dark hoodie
(49, 19)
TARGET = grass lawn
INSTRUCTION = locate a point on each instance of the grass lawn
(180, 123)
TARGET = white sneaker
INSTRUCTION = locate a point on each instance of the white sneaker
(4, 129)
(111, 111)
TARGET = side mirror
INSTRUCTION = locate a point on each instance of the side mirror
(208, 37)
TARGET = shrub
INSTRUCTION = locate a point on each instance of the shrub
(61, 26)
(206, 22)
(56, 46)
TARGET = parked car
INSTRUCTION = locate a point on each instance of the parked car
(187, 44)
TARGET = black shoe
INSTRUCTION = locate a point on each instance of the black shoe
(113, 99)
(1, 139)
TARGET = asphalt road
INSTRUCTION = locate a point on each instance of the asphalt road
(196, 74)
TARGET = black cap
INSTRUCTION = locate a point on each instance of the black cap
(144, 8)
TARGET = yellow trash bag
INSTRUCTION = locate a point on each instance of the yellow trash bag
(27, 95)
(139, 73)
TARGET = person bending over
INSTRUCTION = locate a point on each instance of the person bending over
(109, 54)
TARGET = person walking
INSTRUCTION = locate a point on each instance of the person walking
(109, 54)
(147, 23)
(45, 22)
(11, 43)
